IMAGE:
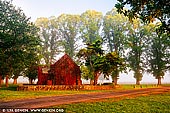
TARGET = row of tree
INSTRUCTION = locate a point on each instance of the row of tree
(141, 47)
(99, 43)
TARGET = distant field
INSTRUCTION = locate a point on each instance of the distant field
(10, 93)
(145, 104)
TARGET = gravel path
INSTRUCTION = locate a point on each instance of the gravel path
(58, 100)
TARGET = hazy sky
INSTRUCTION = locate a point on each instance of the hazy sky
(47, 8)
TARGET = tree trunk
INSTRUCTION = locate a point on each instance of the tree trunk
(96, 76)
(137, 82)
(0, 79)
(6, 83)
(95, 81)
(115, 80)
(30, 81)
(91, 82)
(15, 80)
(159, 80)
(115, 77)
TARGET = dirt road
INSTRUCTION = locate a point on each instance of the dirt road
(58, 100)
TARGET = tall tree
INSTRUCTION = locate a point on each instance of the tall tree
(148, 11)
(159, 56)
(90, 29)
(69, 25)
(18, 37)
(91, 26)
(49, 35)
(115, 27)
(137, 40)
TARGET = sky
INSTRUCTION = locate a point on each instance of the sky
(47, 8)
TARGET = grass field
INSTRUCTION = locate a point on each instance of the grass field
(145, 104)
(10, 93)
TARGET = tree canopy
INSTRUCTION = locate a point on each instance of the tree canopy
(49, 36)
(98, 62)
(148, 11)
(158, 56)
(18, 40)
(91, 24)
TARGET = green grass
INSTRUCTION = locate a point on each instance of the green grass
(130, 86)
(145, 104)
(10, 93)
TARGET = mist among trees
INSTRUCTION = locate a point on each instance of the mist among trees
(100, 44)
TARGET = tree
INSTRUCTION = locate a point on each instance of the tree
(112, 64)
(96, 62)
(31, 72)
(115, 27)
(91, 54)
(18, 70)
(18, 37)
(159, 56)
(50, 35)
(137, 40)
(91, 26)
(69, 26)
(91, 22)
(86, 74)
(147, 11)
